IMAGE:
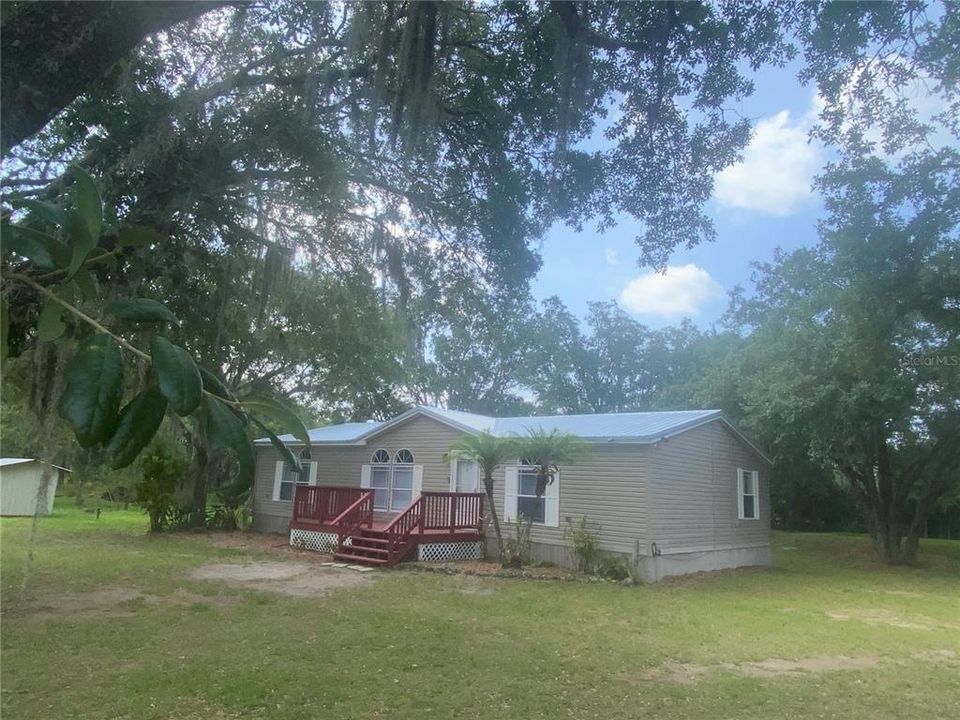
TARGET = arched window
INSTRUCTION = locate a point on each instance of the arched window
(380, 478)
(401, 492)
(305, 454)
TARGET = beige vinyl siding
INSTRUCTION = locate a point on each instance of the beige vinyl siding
(426, 438)
(607, 488)
(693, 491)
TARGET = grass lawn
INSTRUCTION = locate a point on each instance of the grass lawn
(110, 625)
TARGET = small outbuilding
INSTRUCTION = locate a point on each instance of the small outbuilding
(22, 491)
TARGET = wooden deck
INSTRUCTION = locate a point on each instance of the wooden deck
(348, 512)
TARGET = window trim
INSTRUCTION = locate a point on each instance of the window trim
(398, 461)
(741, 494)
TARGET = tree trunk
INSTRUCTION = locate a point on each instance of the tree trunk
(54, 51)
(488, 487)
(201, 470)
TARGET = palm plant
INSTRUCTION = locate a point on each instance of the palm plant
(489, 452)
(547, 450)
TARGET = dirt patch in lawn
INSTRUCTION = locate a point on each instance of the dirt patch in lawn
(892, 619)
(289, 578)
(678, 673)
(113, 601)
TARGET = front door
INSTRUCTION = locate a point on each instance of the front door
(467, 477)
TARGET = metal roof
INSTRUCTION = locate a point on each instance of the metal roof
(637, 426)
(4, 462)
(336, 434)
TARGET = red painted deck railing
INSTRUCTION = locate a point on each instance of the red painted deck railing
(452, 511)
(400, 530)
(356, 516)
(322, 504)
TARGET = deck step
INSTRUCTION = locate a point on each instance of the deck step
(362, 549)
(359, 559)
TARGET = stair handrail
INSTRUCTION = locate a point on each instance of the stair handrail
(400, 529)
(354, 517)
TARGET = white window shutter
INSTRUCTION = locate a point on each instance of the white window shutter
(417, 480)
(277, 477)
(551, 515)
(453, 474)
(510, 493)
(756, 494)
(365, 476)
(740, 493)
(313, 473)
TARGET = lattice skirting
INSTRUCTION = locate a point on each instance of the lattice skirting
(324, 542)
(439, 552)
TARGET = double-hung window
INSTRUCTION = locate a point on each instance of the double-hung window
(291, 478)
(530, 506)
(748, 494)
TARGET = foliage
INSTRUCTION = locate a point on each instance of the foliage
(584, 544)
(95, 377)
(516, 548)
(547, 450)
(163, 469)
(868, 319)
(613, 566)
(489, 452)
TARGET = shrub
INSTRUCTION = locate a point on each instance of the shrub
(613, 567)
(516, 549)
(584, 544)
(156, 491)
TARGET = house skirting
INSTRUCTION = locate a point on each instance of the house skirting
(655, 568)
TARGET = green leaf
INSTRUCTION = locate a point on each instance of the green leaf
(50, 326)
(213, 384)
(282, 414)
(93, 390)
(137, 425)
(178, 375)
(227, 431)
(88, 206)
(4, 330)
(48, 212)
(85, 221)
(142, 310)
(45, 250)
(292, 460)
(86, 284)
(138, 236)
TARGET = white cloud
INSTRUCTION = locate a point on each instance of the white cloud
(776, 174)
(680, 290)
(611, 255)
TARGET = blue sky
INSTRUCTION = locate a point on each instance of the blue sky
(764, 203)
